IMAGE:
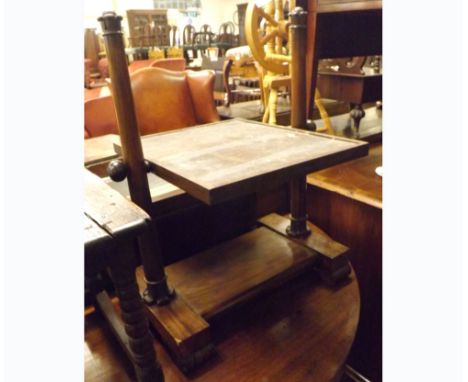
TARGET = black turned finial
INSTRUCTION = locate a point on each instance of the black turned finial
(117, 170)
(298, 16)
(110, 22)
(311, 125)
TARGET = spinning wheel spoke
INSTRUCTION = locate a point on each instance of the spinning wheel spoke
(268, 17)
(277, 57)
(269, 36)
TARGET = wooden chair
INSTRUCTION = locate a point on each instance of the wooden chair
(221, 91)
(204, 39)
(188, 35)
(226, 38)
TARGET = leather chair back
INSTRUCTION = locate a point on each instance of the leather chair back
(177, 64)
(99, 117)
(139, 64)
(164, 100)
(167, 100)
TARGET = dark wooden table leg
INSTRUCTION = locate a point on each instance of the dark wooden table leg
(140, 342)
(298, 187)
(298, 226)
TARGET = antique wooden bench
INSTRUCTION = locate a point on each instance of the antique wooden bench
(111, 224)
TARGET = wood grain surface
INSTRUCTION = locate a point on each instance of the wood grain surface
(301, 332)
(234, 271)
(100, 149)
(331, 6)
(223, 160)
(95, 237)
(183, 330)
(109, 209)
(355, 179)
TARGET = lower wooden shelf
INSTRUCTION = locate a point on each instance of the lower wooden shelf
(237, 270)
(217, 279)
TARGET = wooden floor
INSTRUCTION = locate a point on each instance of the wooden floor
(280, 338)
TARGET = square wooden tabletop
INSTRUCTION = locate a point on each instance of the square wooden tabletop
(227, 159)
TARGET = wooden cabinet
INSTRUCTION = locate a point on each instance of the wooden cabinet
(145, 24)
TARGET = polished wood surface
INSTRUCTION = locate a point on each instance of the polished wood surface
(346, 201)
(235, 269)
(100, 149)
(220, 161)
(110, 209)
(300, 332)
(355, 179)
(352, 88)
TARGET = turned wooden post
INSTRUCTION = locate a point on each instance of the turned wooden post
(133, 161)
(298, 186)
(140, 342)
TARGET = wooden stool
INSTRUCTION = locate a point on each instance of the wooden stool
(110, 227)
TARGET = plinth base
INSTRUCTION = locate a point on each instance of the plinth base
(215, 280)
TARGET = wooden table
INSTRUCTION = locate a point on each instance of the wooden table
(225, 160)
(98, 152)
(346, 202)
(111, 223)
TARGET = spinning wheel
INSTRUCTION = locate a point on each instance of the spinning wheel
(267, 33)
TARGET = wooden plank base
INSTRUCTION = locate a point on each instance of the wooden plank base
(185, 332)
(235, 271)
(230, 274)
(333, 262)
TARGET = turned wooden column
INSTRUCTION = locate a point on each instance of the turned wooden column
(140, 342)
(298, 186)
(133, 165)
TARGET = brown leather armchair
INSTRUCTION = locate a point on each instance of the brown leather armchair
(139, 64)
(164, 100)
(177, 64)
